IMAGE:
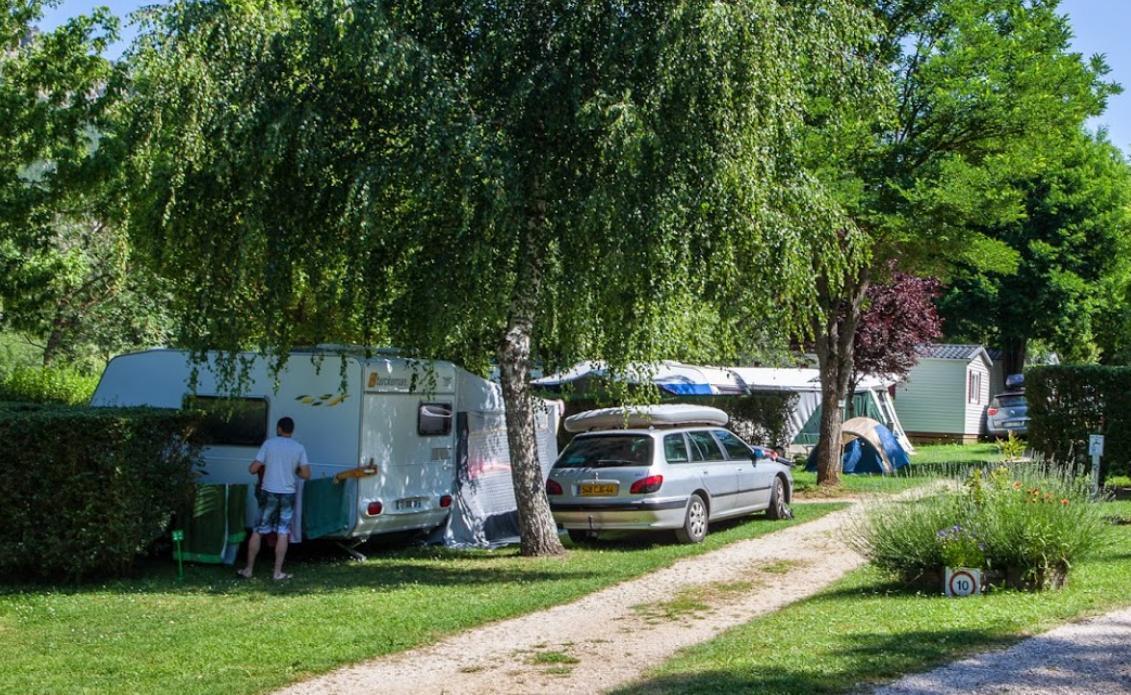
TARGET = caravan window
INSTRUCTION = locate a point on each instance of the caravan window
(231, 421)
(434, 419)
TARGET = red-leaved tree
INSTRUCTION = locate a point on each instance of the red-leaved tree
(899, 316)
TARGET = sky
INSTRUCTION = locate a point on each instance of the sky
(1100, 26)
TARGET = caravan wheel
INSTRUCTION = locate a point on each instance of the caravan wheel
(581, 536)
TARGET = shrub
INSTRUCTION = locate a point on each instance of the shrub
(47, 385)
(89, 488)
(1068, 403)
(1024, 523)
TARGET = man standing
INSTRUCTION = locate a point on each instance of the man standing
(283, 461)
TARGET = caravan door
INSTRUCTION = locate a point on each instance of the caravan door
(410, 437)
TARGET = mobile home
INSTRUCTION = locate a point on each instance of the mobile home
(945, 395)
(413, 439)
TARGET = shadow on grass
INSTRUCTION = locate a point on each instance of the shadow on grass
(318, 568)
(876, 658)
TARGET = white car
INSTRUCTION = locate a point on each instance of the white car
(668, 467)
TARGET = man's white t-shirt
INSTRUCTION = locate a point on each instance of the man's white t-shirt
(280, 457)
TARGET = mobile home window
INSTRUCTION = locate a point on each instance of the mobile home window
(974, 386)
(434, 419)
(230, 421)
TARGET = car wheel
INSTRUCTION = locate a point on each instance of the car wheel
(695, 522)
(779, 508)
(581, 536)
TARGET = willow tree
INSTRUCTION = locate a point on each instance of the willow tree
(984, 88)
(491, 181)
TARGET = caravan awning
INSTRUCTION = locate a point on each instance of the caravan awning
(673, 377)
(796, 380)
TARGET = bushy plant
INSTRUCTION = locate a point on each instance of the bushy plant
(1012, 447)
(87, 489)
(47, 385)
(1024, 522)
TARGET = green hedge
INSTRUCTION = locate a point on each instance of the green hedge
(1068, 403)
(47, 385)
(88, 489)
(759, 418)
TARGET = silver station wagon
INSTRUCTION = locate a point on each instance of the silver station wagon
(665, 467)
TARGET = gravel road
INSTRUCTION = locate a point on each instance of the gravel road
(611, 637)
(1087, 658)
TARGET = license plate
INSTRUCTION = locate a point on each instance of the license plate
(410, 503)
(598, 489)
(1013, 423)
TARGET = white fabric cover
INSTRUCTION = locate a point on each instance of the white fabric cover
(645, 416)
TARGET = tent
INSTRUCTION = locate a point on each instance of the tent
(869, 447)
(683, 380)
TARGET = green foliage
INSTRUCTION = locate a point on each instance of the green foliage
(1012, 447)
(1021, 521)
(759, 418)
(54, 99)
(88, 489)
(982, 89)
(1071, 241)
(405, 173)
(47, 385)
(67, 275)
(1069, 403)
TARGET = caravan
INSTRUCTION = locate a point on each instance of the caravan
(408, 441)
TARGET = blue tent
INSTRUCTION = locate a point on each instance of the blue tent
(869, 448)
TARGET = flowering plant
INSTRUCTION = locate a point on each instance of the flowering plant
(960, 547)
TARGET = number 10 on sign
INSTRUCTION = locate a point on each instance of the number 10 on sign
(963, 581)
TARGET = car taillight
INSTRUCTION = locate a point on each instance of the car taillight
(373, 509)
(649, 484)
(553, 487)
(991, 411)
(445, 501)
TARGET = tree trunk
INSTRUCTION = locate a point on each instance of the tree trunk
(54, 345)
(835, 332)
(1013, 357)
(539, 533)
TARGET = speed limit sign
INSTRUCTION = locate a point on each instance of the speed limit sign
(963, 581)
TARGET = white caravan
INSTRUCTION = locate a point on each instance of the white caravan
(389, 422)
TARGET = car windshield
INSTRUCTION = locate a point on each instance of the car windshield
(603, 451)
(1011, 401)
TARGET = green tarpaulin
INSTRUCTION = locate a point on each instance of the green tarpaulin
(215, 522)
(327, 506)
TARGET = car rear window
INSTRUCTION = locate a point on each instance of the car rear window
(675, 449)
(1009, 401)
(606, 451)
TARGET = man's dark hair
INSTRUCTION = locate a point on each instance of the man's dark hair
(286, 425)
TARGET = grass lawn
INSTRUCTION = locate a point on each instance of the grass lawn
(928, 462)
(217, 634)
(982, 452)
(805, 484)
(864, 630)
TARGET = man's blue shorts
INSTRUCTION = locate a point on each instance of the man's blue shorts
(276, 510)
